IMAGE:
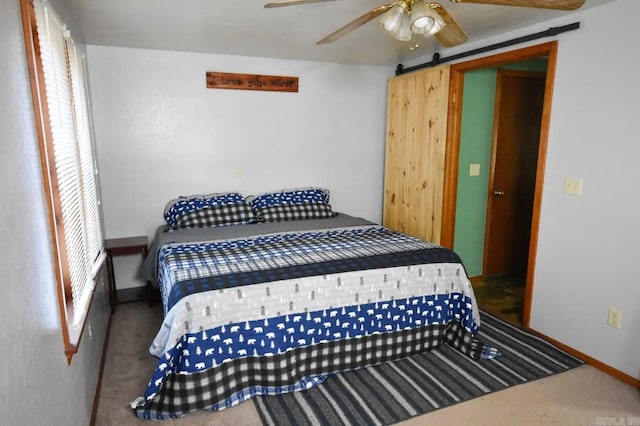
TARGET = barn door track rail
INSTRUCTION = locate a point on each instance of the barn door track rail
(437, 60)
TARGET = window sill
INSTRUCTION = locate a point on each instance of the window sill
(74, 329)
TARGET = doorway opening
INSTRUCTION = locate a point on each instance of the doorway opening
(519, 100)
(505, 233)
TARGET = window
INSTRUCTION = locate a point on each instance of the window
(62, 117)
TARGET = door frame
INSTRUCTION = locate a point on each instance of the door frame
(548, 50)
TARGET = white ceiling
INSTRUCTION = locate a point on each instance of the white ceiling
(245, 27)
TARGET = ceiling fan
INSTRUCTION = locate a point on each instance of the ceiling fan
(402, 19)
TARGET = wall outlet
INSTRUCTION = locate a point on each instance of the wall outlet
(238, 172)
(474, 169)
(615, 318)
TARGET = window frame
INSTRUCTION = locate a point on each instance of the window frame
(72, 323)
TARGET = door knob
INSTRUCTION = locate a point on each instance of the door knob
(498, 192)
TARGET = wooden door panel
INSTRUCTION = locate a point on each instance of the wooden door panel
(415, 152)
(518, 113)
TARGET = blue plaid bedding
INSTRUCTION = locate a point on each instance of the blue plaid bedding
(277, 313)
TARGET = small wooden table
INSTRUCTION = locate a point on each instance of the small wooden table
(123, 247)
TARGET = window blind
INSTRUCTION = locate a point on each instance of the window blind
(71, 167)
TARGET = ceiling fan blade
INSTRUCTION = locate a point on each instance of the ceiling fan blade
(542, 4)
(358, 22)
(452, 33)
(291, 3)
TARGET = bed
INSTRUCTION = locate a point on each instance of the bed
(266, 307)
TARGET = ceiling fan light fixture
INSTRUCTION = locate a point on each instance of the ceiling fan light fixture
(421, 19)
(425, 20)
(393, 19)
(407, 18)
(404, 33)
(422, 24)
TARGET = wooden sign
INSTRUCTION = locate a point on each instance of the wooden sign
(272, 83)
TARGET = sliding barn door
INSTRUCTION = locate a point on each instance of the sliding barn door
(415, 152)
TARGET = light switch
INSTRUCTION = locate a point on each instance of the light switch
(573, 185)
(474, 169)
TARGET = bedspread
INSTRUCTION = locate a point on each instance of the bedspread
(277, 312)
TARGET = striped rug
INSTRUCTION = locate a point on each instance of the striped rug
(398, 390)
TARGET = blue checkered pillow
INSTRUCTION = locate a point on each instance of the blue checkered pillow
(210, 216)
(182, 206)
(294, 212)
(288, 197)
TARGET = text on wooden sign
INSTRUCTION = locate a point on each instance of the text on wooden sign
(273, 83)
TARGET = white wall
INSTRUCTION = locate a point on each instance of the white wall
(589, 246)
(37, 387)
(161, 133)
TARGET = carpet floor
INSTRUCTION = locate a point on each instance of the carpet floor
(583, 395)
